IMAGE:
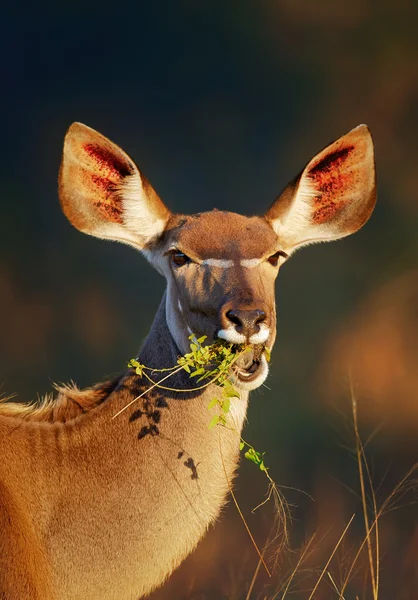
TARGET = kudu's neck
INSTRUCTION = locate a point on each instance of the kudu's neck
(160, 351)
(137, 491)
(159, 348)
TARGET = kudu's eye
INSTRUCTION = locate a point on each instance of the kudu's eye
(274, 258)
(179, 258)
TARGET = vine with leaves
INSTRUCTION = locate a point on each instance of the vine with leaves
(210, 364)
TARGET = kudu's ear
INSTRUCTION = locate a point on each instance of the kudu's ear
(332, 197)
(103, 193)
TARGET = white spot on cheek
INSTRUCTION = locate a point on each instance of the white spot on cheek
(189, 331)
(261, 336)
(232, 336)
(250, 263)
(215, 262)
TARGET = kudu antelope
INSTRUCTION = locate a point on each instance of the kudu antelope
(95, 507)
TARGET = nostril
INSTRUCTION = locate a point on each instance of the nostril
(232, 316)
(261, 316)
(246, 321)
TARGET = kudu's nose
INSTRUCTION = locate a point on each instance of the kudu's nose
(246, 322)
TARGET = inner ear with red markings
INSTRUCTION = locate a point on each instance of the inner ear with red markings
(103, 193)
(332, 197)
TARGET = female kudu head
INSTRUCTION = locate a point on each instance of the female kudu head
(220, 266)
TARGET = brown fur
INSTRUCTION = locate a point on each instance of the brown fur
(19, 546)
(236, 236)
(69, 403)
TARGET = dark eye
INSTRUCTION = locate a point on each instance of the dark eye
(274, 258)
(179, 258)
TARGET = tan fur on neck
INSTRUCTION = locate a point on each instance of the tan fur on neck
(69, 403)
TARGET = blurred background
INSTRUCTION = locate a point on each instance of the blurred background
(221, 104)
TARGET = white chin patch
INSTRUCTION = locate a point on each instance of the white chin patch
(253, 381)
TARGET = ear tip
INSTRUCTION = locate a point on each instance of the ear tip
(78, 128)
(362, 126)
(362, 130)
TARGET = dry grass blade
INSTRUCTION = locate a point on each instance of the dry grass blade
(295, 570)
(240, 511)
(361, 459)
(253, 580)
(398, 489)
(280, 504)
(334, 585)
(324, 570)
(257, 569)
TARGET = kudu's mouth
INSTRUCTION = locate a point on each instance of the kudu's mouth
(249, 367)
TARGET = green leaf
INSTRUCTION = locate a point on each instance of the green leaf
(267, 353)
(214, 421)
(226, 405)
(231, 392)
(197, 372)
(201, 378)
(250, 456)
(254, 456)
(202, 339)
(213, 403)
(241, 446)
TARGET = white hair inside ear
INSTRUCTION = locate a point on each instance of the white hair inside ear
(332, 197)
(103, 193)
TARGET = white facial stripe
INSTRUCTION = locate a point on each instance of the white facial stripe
(232, 336)
(250, 263)
(221, 263)
(215, 262)
(189, 331)
(261, 336)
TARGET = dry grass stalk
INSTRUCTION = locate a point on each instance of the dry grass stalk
(361, 459)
